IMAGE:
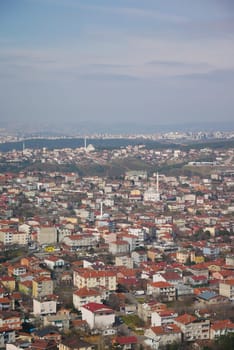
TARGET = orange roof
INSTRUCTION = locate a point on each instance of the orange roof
(185, 319)
(88, 273)
(229, 282)
(42, 279)
(7, 279)
(171, 328)
(161, 284)
(222, 324)
(4, 300)
(86, 292)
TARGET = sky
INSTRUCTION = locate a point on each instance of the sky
(150, 62)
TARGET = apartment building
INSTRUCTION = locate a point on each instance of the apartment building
(193, 328)
(8, 282)
(93, 279)
(84, 296)
(164, 290)
(6, 236)
(42, 286)
(10, 321)
(16, 270)
(44, 307)
(226, 289)
(163, 317)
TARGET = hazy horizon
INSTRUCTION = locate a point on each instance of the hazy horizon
(131, 62)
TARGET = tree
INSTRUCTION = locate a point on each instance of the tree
(225, 342)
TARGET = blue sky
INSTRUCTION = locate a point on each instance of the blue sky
(148, 61)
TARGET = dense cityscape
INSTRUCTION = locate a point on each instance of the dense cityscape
(116, 175)
(117, 248)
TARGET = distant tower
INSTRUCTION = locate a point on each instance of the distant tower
(152, 194)
(157, 188)
(85, 143)
(23, 148)
(101, 209)
(157, 185)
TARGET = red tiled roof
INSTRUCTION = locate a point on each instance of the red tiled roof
(85, 292)
(199, 278)
(172, 328)
(7, 279)
(185, 319)
(95, 307)
(88, 273)
(126, 340)
(229, 282)
(222, 324)
(161, 284)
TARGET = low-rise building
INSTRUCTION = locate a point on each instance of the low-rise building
(8, 282)
(53, 262)
(166, 291)
(44, 307)
(75, 343)
(161, 336)
(163, 317)
(60, 320)
(220, 328)
(193, 328)
(98, 315)
(84, 296)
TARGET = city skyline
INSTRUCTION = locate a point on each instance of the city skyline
(152, 63)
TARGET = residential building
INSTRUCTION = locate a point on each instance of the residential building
(161, 336)
(42, 286)
(84, 296)
(193, 328)
(10, 321)
(75, 343)
(138, 257)
(166, 291)
(16, 270)
(80, 241)
(47, 235)
(119, 247)
(54, 262)
(44, 306)
(6, 337)
(124, 260)
(98, 315)
(126, 342)
(226, 288)
(8, 282)
(163, 317)
(220, 328)
(60, 320)
(94, 278)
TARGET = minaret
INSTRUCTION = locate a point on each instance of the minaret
(157, 185)
(101, 209)
(85, 143)
(23, 148)
(157, 189)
